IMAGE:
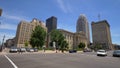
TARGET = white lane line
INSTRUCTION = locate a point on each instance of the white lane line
(11, 62)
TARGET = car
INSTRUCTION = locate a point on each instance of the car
(116, 53)
(72, 51)
(87, 50)
(13, 50)
(35, 49)
(22, 50)
(101, 53)
(31, 50)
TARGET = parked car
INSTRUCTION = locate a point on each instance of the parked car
(72, 51)
(31, 50)
(13, 50)
(22, 50)
(116, 53)
(87, 50)
(101, 53)
(35, 49)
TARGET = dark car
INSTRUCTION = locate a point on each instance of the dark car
(35, 49)
(116, 53)
(72, 51)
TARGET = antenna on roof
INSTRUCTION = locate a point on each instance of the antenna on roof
(99, 16)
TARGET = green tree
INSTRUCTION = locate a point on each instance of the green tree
(64, 46)
(81, 45)
(58, 37)
(38, 37)
(97, 47)
(26, 43)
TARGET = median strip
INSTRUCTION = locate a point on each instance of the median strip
(11, 62)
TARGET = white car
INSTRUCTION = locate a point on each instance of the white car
(13, 50)
(101, 53)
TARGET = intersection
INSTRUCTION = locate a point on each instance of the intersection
(59, 60)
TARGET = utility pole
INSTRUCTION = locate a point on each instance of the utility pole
(3, 42)
(98, 17)
(0, 14)
(0, 11)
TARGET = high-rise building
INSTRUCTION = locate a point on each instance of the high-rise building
(24, 31)
(83, 26)
(51, 23)
(101, 34)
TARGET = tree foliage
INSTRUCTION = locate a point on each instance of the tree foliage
(58, 37)
(81, 45)
(26, 43)
(97, 47)
(38, 37)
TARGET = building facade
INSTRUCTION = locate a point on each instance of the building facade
(51, 23)
(80, 38)
(74, 39)
(24, 31)
(10, 43)
(101, 34)
(82, 25)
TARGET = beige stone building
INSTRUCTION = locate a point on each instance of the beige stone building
(80, 37)
(73, 39)
(24, 31)
(101, 34)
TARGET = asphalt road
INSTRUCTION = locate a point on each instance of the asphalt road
(58, 60)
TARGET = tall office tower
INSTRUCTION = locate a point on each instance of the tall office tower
(83, 26)
(51, 23)
(24, 31)
(101, 34)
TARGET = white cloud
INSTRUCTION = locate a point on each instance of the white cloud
(13, 16)
(8, 26)
(65, 7)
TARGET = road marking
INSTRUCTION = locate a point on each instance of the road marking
(11, 62)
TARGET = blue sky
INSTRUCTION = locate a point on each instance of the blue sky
(66, 11)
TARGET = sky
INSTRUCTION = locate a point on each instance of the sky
(66, 11)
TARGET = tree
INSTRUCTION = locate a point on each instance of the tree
(58, 37)
(81, 45)
(38, 37)
(64, 46)
(97, 47)
(26, 43)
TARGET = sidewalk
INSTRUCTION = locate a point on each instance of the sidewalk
(6, 51)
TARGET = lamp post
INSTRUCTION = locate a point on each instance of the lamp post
(0, 11)
(0, 24)
(3, 42)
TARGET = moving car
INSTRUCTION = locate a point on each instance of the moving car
(116, 53)
(101, 53)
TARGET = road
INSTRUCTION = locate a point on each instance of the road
(59, 60)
